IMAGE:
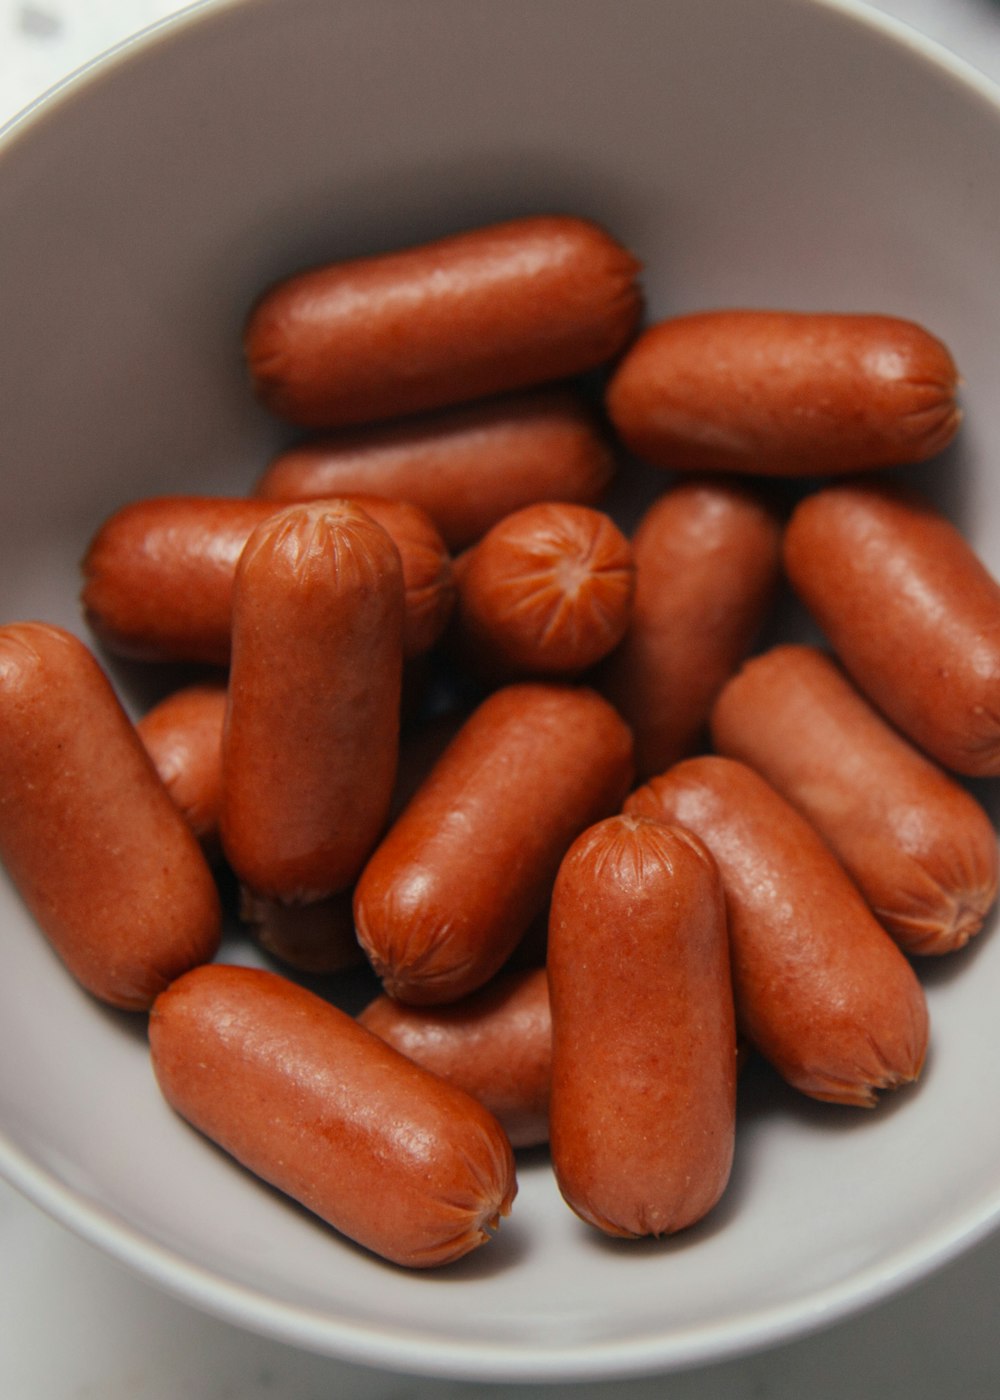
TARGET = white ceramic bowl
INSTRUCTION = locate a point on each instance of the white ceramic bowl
(770, 152)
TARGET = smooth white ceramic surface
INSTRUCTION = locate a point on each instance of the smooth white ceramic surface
(142, 210)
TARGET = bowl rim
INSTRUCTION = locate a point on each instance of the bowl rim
(388, 1348)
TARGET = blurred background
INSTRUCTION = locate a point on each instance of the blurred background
(75, 1326)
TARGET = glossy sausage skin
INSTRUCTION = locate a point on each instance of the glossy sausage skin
(478, 313)
(311, 734)
(780, 393)
(546, 592)
(708, 558)
(461, 874)
(467, 467)
(496, 1044)
(821, 989)
(183, 737)
(910, 611)
(920, 848)
(642, 1118)
(310, 1101)
(158, 576)
(88, 833)
(316, 938)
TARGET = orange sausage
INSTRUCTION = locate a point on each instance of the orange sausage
(158, 576)
(920, 848)
(478, 313)
(780, 393)
(316, 938)
(546, 592)
(466, 467)
(183, 737)
(495, 1044)
(910, 611)
(708, 559)
(821, 990)
(293, 1088)
(312, 725)
(89, 835)
(461, 874)
(642, 1119)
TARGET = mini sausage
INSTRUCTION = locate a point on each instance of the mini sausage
(910, 611)
(317, 939)
(708, 558)
(311, 733)
(496, 1044)
(183, 737)
(467, 467)
(452, 888)
(546, 592)
(88, 833)
(821, 989)
(643, 1114)
(922, 851)
(780, 393)
(499, 308)
(158, 575)
(292, 1087)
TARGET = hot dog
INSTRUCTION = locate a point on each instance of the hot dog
(821, 990)
(496, 1044)
(89, 835)
(158, 575)
(312, 723)
(454, 885)
(546, 592)
(466, 467)
(910, 611)
(315, 938)
(781, 393)
(478, 313)
(708, 558)
(642, 1117)
(293, 1088)
(183, 737)
(920, 848)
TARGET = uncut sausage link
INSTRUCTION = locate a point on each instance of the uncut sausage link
(183, 737)
(922, 851)
(779, 393)
(642, 1117)
(496, 1044)
(707, 558)
(467, 467)
(821, 989)
(546, 592)
(452, 888)
(478, 313)
(300, 1094)
(88, 833)
(910, 611)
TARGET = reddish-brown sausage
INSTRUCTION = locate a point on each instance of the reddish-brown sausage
(546, 592)
(312, 726)
(158, 576)
(708, 558)
(495, 1044)
(183, 737)
(451, 890)
(821, 990)
(293, 1088)
(478, 313)
(466, 467)
(89, 835)
(910, 611)
(920, 848)
(642, 1118)
(315, 938)
(781, 393)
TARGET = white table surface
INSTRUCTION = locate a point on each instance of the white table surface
(76, 1326)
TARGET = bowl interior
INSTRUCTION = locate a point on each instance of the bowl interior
(752, 152)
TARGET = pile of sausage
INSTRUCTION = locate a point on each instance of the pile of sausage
(443, 671)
